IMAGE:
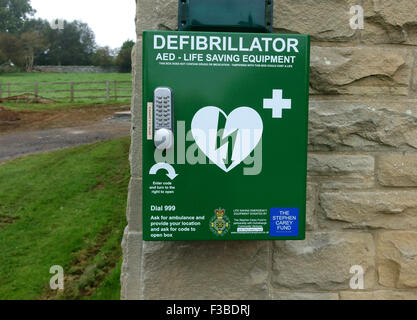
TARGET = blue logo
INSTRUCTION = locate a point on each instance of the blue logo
(284, 222)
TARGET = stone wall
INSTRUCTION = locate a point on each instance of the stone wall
(362, 171)
(75, 69)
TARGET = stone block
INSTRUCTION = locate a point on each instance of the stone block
(373, 209)
(397, 170)
(397, 259)
(134, 205)
(361, 70)
(157, 15)
(283, 295)
(323, 20)
(312, 196)
(323, 261)
(131, 268)
(378, 295)
(337, 171)
(205, 270)
(390, 21)
(362, 126)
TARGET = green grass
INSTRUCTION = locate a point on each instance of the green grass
(64, 208)
(64, 96)
(60, 106)
(53, 77)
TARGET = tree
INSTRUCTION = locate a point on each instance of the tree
(40, 26)
(33, 44)
(73, 45)
(12, 49)
(103, 57)
(13, 14)
(124, 58)
(22, 48)
(3, 57)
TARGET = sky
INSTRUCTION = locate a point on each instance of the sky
(112, 21)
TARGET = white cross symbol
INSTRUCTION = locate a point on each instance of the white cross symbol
(277, 104)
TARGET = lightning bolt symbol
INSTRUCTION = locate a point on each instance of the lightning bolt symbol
(225, 148)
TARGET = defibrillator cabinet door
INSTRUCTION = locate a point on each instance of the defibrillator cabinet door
(225, 120)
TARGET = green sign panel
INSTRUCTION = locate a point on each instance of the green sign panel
(225, 119)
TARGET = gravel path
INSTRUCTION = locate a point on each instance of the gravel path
(19, 144)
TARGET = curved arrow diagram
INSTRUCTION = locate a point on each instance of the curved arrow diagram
(162, 165)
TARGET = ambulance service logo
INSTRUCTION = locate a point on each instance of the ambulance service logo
(220, 223)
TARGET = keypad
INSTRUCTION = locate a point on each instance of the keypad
(163, 108)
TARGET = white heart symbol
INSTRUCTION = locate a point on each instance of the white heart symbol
(243, 123)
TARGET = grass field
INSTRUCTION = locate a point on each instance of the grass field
(61, 106)
(64, 208)
(52, 77)
(63, 95)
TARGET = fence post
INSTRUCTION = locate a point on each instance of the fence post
(115, 90)
(36, 89)
(72, 92)
(107, 91)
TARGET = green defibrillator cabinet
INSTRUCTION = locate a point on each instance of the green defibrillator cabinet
(225, 119)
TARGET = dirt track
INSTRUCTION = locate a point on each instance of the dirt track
(20, 144)
(21, 121)
(58, 130)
